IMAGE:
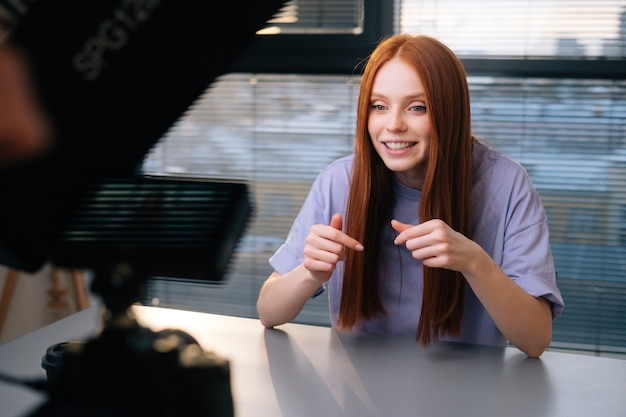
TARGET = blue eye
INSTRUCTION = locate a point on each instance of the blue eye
(378, 107)
(419, 108)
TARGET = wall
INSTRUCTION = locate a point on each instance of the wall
(33, 304)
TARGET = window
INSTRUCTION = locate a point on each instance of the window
(548, 87)
(276, 132)
(576, 29)
(306, 17)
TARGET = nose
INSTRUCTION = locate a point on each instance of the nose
(396, 121)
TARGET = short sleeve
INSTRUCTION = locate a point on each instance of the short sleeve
(327, 196)
(527, 256)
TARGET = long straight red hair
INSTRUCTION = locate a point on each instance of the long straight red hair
(446, 194)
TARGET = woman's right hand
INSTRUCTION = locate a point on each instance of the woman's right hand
(325, 246)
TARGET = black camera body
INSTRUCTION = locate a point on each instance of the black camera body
(129, 370)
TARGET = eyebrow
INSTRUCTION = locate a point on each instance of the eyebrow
(416, 96)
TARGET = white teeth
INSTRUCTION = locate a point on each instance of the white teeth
(398, 146)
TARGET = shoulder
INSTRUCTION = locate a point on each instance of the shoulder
(339, 165)
(503, 189)
(493, 168)
(486, 157)
(331, 186)
(336, 173)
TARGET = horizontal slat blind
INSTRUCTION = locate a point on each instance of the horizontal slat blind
(570, 134)
(275, 132)
(572, 28)
(571, 137)
(246, 125)
(278, 132)
(319, 17)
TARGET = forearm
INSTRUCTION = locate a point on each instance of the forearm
(282, 297)
(526, 321)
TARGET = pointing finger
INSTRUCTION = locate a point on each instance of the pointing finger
(336, 222)
(344, 239)
(399, 227)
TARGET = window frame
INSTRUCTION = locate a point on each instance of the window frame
(342, 54)
(318, 53)
(611, 69)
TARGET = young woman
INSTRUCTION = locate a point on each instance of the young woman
(425, 230)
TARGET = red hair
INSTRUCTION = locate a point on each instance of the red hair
(446, 194)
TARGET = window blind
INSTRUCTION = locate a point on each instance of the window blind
(278, 131)
(275, 132)
(521, 28)
(575, 155)
(319, 17)
(570, 134)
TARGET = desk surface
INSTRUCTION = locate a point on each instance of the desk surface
(301, 371)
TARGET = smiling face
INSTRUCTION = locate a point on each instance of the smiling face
(398, 122)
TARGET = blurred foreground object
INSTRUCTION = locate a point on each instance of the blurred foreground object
(24, 132)
(113, 77)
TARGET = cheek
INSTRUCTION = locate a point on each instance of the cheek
(373, 128)
(422, 127)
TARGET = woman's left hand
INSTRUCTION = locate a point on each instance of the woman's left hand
(439, 246)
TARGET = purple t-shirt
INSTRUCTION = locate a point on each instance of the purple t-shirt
(509, 223)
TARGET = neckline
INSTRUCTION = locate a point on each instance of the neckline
(406, 192)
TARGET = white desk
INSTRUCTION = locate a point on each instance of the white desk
(300, 371)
